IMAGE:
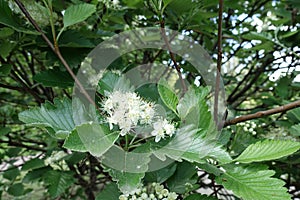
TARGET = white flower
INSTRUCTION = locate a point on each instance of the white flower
(158, 131)
(123, 197)
(147, 113)
(159, 188)
(165, 192)
(162, 128)
(144, 196)
(127, 110)
(170, 129)
(172, 196)
(153, 191)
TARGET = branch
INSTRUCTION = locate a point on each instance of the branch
(260, 114)
(11, 87)
(56, 51)
(219, 62)
(177, 67)
(235, 95)
(19, 144)
(27, 88)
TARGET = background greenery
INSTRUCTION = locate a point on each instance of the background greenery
(260, 62)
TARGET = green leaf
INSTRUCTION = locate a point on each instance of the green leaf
(36, 174)
(204, 148)
(78, 13)
(16, 189)
(253, 183)
(6, 48)
(193, 109)
(212, 169)
(191, 99)
(11, 174)
(127, 182)
(74, 143)
(186, 173)
(294, 115)
(161, 175)
(33, 164)
(75, 39)
(113, 82)
(96, 138)
(282, 88)
(295, 130)
(6, 32)
(258, 36)
(107, 82)
(54, 78)
(83, 114)
(133, 162)
(9, 19)
(126, 168)
(149, 92)
(186, 145)
(199, 197)
(268, 150)
(110, 192)
(5, 70)
(58, 182)
(267, 46)
(177, 146)
(167, 95)
(57, 117)
(75, 158)
(181, 7)
(4, 130)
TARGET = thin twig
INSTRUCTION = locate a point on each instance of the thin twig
(26, 87)
(19, 144)
(20, 89)
(260, 114)
(56, 51)
(219, 63)
(177, 67)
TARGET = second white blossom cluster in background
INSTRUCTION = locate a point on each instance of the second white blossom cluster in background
(248, 126)
(127, 110)
(154, 191)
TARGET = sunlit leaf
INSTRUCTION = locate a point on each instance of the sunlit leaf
(127, 182)
(78, 13)
(295, 130)
(188, 146)
(268, 150)
(97, 139)
(167, 95)
(74, 143)
(253, 183)
(57, 117)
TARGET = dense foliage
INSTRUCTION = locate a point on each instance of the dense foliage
(56, 143)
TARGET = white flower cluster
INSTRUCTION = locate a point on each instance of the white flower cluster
(161, 128)
(248, 126)
(127, 110)
(154, 191)
(279, 133)
(114, 4)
